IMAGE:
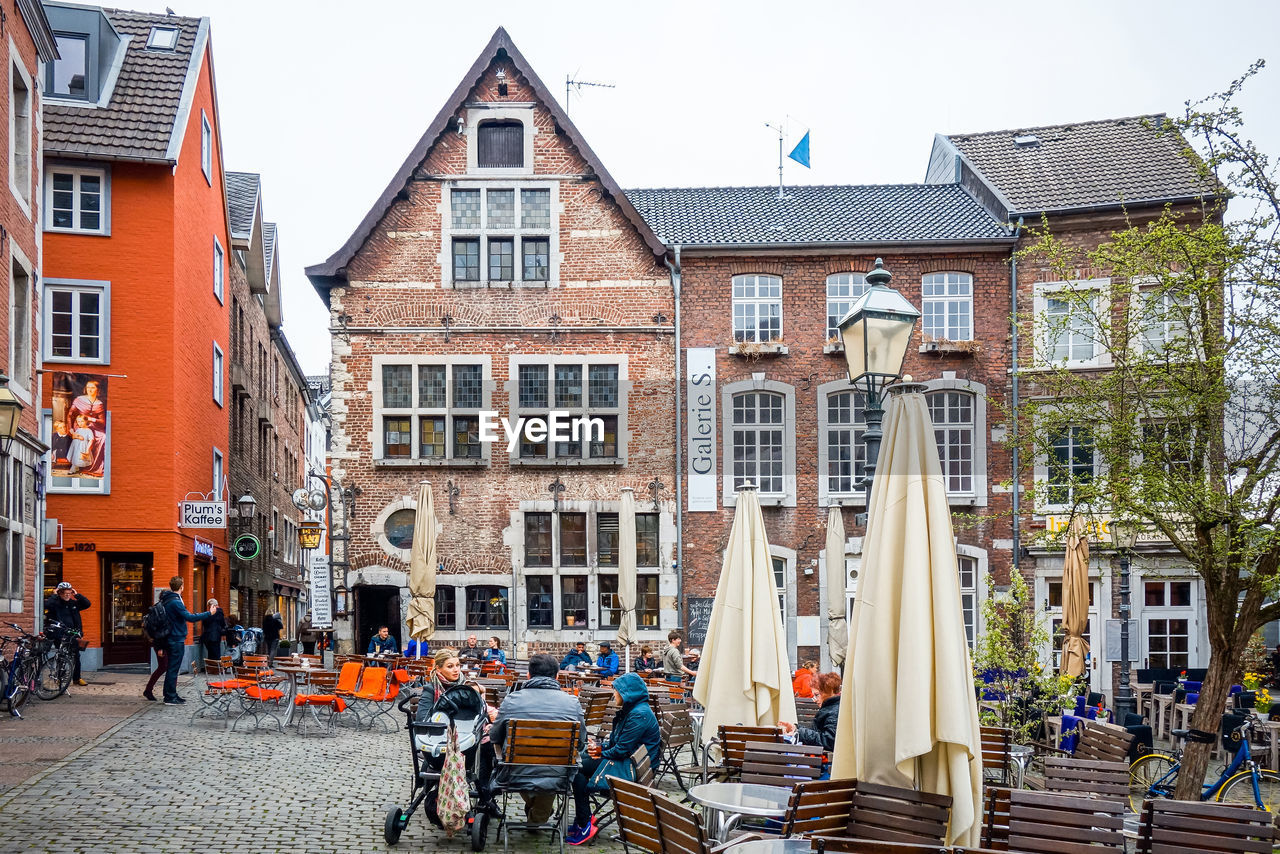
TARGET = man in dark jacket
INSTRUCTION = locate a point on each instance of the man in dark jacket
(64, 607)
(633, 725)
(577, 658)
(211, 632)
(539, 699)
(179, 616)
(272, 626)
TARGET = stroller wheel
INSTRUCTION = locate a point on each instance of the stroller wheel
(479, 829)
(396, 821)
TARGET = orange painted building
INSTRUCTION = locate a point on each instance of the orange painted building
(135, 318)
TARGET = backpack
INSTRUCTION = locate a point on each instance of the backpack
(156, 623)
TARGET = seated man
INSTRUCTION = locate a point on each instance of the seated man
(471, 652)
(607, 660)
(576, 658)
(539, 699)
(382, 642)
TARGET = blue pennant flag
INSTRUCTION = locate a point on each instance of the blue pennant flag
(800, 153)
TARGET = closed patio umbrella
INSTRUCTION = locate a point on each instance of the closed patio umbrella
(422, 569)
(908, 714)
(837, 627)
(745, 675)
(627, 571)
(1075, 598)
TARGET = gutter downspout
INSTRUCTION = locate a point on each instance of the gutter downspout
(679, 376)
(1013, 368)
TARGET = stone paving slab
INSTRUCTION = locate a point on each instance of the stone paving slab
(156, 782)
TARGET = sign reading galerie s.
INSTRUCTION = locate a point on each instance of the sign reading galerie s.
(203, 514)
(700, 396)
(321, 592)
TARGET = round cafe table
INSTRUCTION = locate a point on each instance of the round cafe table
(793, 845)
(298, 676)
(723, 802)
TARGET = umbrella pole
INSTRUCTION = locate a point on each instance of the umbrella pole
(628, 668)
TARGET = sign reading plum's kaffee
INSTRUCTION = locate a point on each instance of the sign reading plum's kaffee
(202, 514)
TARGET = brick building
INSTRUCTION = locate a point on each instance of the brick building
(134, 304)
(763, 284)
(270, 398)
(30, 44)
(1087, 180)
(502, 270)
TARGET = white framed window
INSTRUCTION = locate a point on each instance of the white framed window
(429, 410)
(162, 38)
(217, 374)
(952, 413)
(502, 235)
(842, 453)
(968, 570)
(1168, 621)
(757, 308)
(947, 306)
(1068, 328)
(759, 440)
(218, 474)
(783, 562)
(1164, 319)
(1072, 461)
(20, 323)
(843, 290)
(219, 269)
(77, 199)
(76, 321)
(206, 147)
(590, 391)
(19, 131)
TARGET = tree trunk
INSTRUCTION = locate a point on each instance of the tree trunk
(1223, 663)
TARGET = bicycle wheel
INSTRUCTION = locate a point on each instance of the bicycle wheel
(1239, 790)
(54, 677)
(17, 691)
(1149, 777)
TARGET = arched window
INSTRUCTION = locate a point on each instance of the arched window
(846, 453)
(947, 304)
(952, 413)
(757, 308)
(757, 441)
(500, 145)
(843, 290)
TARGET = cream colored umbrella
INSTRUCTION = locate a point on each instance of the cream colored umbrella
(745, 675)
(627, 572)
(837, 627)
(422, 569)
(908, 714)
(1075, 598)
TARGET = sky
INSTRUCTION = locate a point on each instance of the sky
(326, 99)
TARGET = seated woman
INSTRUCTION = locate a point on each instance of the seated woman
(494, 660)
(823, 733)
(802, 685)
(646, 663)
(634, 725)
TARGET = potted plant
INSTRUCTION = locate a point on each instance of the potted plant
(283, 648)
(1262, 704)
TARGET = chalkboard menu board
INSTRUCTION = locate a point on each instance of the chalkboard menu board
(697, 619)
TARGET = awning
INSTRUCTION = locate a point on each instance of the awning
(287, 586)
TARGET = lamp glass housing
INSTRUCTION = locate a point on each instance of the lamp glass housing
(876, 333)
(309, 535)
(246, 504)
(10, 413)
(1124, 534)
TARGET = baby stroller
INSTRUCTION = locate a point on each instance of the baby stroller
(464, 709)
(247, 645)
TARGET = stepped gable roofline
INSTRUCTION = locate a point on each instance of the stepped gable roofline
(332, 271)
(145, 97)
(1082, 166)
(822, 217)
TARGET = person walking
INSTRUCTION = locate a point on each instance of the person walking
(64, 607)
(161, 648)
(211, 632)
(272, 626)
(179, 616)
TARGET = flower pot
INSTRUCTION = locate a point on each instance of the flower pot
(1264, 716)
(568, 621)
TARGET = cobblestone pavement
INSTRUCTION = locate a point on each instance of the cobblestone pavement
(158, 783)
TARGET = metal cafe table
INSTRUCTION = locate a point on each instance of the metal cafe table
(792, 845)
(722, 803)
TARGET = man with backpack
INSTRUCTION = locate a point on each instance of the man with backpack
(176, 634)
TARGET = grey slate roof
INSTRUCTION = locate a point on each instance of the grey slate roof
(242, 201)
(138, 122)
(269, 244)
(1084, 165)
(754, 216)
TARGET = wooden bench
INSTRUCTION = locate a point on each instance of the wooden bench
(1187, 827)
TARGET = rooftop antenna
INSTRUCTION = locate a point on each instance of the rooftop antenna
(781, 192)
(571, 84)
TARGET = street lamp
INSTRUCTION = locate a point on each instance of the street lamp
(309, 533)
(246, 505)
(1124, 536)
(10, 413)
(876, 333)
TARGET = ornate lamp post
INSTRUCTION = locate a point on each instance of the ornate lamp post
(876, 333)
(1124, 536)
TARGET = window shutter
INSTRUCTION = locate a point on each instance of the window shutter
(501, 145)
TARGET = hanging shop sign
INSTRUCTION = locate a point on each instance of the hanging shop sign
(700, 403)
(246, 547)
(203, 548)
(202, 514)
(321, 592)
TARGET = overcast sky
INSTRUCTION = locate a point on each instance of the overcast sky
(326, 99)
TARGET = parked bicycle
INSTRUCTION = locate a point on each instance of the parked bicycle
(1241, 782)
(21, 670)
(57, 657)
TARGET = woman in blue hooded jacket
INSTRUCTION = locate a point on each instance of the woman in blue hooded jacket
(634, 725)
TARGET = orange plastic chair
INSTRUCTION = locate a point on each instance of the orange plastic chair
(349, 683)
(257, 696)
(378, 689)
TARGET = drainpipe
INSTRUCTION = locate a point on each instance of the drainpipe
(675, 290)
(1013, 367)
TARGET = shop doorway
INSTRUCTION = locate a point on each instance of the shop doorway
(375, 606)
(127, 593)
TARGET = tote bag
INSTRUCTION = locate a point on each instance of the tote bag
(453, 797)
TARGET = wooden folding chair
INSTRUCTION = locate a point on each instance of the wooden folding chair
(551, 745)
(1043, 823)
(260, 694)
(997, 755)
(819, 808)
(893, 814)
(872, 846)
(680, 829)
(806, 710)
(602, 806)
(1103, 742)
(636, 814)
(1086, 777)
(732, 739)
(677, 734)
(780, 764)
(995, 821)
(1192, 827)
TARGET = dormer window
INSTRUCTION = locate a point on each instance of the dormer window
(162, 38)
(501, 145)
(70, 71)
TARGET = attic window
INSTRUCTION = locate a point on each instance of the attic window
(1026, 140)
(501, 145)
(71, 68)
(163, 38)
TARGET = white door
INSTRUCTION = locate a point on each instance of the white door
(1097, 652)
(1168, 622)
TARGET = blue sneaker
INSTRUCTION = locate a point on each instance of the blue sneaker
(581, 835)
